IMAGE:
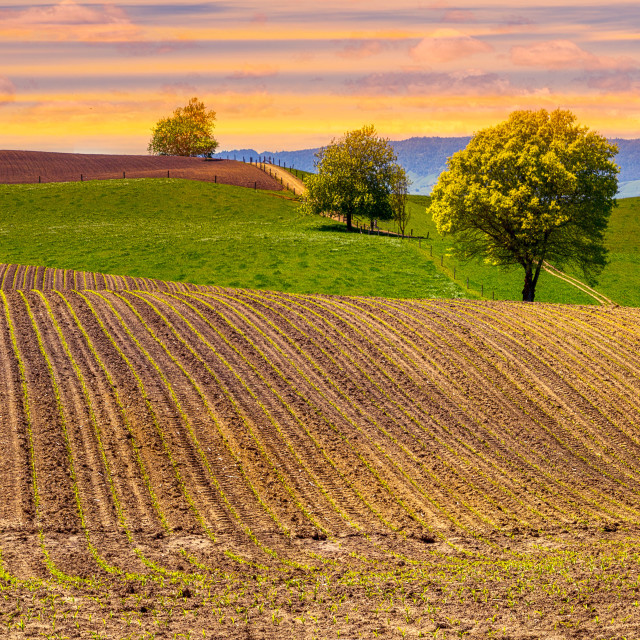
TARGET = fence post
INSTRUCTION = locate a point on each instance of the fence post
(81, 178)
(430, 250)
(493, 295)
(467, 282)
(215, 179)
(167, 173)
(255, 186)
(123, 175)
(454, 273)
(39, 178)
(482, 290)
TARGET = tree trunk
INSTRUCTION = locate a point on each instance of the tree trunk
(531, 280)
(349, 226)
(529, 290)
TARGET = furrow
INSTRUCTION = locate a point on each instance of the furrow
(387, 335)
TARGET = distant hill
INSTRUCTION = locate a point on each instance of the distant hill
(425, 158)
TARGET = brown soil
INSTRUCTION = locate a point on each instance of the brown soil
(34, 166)
(245, 464)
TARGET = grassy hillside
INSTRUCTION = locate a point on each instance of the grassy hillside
(621, 278)
(229, 236)
(207, 234)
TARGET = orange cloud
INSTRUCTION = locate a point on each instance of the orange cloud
(66, 12)
(446, 45)
(7, 90)
(68, 20)
(363, 49)
(565, 54)
(259, 18)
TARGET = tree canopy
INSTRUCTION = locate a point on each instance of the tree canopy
(536, 187)
(188, 132)
(356, 176)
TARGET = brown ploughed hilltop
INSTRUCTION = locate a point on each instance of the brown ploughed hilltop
(44, 166)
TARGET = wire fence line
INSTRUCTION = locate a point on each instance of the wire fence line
(426, 249)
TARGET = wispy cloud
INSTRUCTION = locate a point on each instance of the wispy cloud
(614, 81)
(69, 20)
(365, 48)
(446, 45)
(416, 83)
(66, 12)
(565, 54)
(459, 15)
(253, 72)
(7, 90)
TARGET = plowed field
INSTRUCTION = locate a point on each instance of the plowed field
(43, 166)
(237, 464)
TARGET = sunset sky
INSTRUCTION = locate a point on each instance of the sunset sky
(94, 77)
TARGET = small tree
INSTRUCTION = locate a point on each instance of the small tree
(398, 200)
(188, 132)
(355, 177)
(536, 187)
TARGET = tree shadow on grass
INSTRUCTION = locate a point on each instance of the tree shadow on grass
(333, 228)
(342, 228)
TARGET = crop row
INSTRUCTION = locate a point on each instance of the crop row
(23, 277)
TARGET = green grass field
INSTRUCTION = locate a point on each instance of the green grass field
(217, 234)
(208, 234)
(620, 280)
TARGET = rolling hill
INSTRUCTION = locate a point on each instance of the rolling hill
(216, 234)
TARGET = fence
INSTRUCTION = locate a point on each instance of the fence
(451, 271)
(262, 164)
(138, 174)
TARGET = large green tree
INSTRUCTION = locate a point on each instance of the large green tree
(536, 187)
(356, 176)
(188, 132)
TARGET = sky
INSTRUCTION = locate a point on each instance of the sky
(94, 77)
